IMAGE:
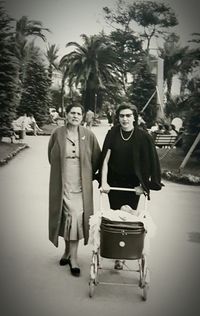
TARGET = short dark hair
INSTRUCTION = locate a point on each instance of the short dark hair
(75, 105)
(129, 106)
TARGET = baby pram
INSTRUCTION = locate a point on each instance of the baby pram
(123, 240)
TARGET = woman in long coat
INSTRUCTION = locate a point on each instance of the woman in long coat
(73, 153)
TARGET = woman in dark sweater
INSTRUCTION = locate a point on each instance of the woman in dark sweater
(129, 160)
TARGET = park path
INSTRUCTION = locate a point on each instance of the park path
(32, 283)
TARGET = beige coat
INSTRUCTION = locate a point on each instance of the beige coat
(89, 162)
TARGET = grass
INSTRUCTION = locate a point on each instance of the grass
(9, 150)
(170, 166)
(174, 159)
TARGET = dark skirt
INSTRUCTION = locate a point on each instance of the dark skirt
(119, 198)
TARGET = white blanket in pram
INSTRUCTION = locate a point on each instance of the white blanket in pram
(121, 216)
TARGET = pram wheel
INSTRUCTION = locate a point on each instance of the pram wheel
(144, 277)
(93, 273)
(144, 297)
(91, 288)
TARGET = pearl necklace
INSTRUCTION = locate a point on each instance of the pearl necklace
(125, 139)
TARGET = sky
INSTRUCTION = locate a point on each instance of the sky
(68, 19)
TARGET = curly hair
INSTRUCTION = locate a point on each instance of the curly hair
(75, 105)
(125, 106)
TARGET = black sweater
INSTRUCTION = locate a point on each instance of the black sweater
(146, 164)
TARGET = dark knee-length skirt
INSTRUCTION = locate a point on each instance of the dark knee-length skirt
(119, 198)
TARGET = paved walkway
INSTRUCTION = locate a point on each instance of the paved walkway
(31, 281)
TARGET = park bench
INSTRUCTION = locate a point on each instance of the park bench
(164, 140)
(10, 134)
(16, 134)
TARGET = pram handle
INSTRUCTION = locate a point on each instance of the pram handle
(124, 189)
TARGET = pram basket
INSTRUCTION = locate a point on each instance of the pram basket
(120, 240)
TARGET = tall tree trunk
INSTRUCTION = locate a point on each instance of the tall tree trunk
(184, 80)
(169, 87)
(63, 97)
(89, 99)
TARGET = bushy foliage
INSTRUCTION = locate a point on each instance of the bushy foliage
(175, 107)
(128, 49)
(35, 97)
(151, 17)
(141, 90)
(193, 115)
(192, 119)
(8, 74)
(56, 98)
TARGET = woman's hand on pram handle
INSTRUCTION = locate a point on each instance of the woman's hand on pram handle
(139, 190)
(105, 188)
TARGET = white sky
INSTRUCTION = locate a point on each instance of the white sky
(67, 19)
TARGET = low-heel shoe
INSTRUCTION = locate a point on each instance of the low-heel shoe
(74, 271)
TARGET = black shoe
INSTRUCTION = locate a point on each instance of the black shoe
(64, 261)
(74, 271)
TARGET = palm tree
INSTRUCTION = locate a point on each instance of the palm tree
(91, 66)
(64, 69)
(25, 29)
(51, 55)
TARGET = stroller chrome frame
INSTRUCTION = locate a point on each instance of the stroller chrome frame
(96, 268)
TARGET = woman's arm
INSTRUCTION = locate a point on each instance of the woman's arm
(104, 184)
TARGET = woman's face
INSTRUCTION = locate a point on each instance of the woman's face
(75, 116)
(126, 119)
